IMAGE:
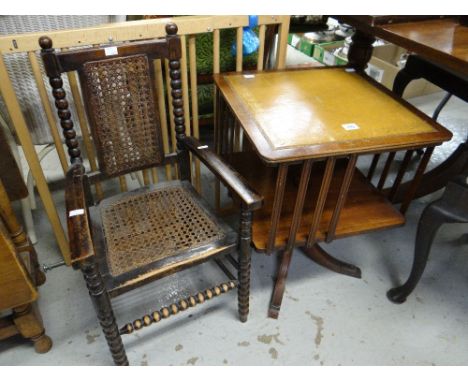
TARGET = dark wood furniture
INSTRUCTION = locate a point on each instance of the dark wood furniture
(442, 40)
(451, 208)
(20, 276)
(442, 43)
(455, 84)
(304, 131)
(133, 238)
(10, 174)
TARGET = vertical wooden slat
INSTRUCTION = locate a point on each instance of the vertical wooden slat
(185, 88)
(194, 99)
(216, 108)
(216, 43)
(277, 206)
(230, 135)
(261, 47)
(400, 175)
(299, 204)
(162, 111)
(417, 178)
(146, 178)
(386, 170)
(36, 69)
(237, 136)
(77, 100)
(14, 110)
(239, 48)
(123, 183)
(373, 166)
(282, 274)
(283, 31)
(320, 204)
(154, 175)
(217, 121)
(348, 176)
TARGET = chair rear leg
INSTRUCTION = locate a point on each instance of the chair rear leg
(103, 307)
(243, 292)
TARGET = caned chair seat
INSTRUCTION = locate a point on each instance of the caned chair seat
(153, 231)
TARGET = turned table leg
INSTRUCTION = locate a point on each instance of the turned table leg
(360, 50)
(28, 322)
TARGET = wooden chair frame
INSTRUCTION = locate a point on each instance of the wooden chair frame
(83, 247)
(189, 27)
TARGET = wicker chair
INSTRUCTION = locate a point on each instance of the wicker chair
(145, 234)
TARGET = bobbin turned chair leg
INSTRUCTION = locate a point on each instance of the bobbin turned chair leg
(243, 292)
(103, 307)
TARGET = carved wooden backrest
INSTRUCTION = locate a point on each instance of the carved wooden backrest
(117, 85)
(118, 94)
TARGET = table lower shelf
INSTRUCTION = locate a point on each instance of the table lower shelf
(366, 209)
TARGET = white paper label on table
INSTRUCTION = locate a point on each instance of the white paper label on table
(350, 126)
(76, 212)
(111, 51)
(249, 75)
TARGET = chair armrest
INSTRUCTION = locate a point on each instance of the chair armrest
(79, 233)
(228, 176)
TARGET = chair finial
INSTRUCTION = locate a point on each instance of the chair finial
(171, 29)
(45, 42)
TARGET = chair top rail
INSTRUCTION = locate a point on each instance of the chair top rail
(129, 30)
(73, 59)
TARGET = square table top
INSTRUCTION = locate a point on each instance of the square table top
(315, 113)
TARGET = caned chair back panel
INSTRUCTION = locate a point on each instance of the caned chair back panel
(118, 92)
(119, 99)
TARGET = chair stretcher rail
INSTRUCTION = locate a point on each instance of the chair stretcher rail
(181, 305)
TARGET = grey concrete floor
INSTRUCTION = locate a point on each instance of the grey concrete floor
(326, 318)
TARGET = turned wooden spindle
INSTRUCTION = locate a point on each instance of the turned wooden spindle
(177, 99)
(173, 309)
(243, 291)
(360, 50)
(52, 68)
(102, 304)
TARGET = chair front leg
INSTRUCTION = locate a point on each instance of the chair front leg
(103, 307)
(243, 291)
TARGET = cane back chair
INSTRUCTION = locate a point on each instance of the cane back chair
(142, 235)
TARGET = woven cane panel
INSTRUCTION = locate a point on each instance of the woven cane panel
(122, 111)
(140, 229)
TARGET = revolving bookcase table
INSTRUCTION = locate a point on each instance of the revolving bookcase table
(296, 135)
